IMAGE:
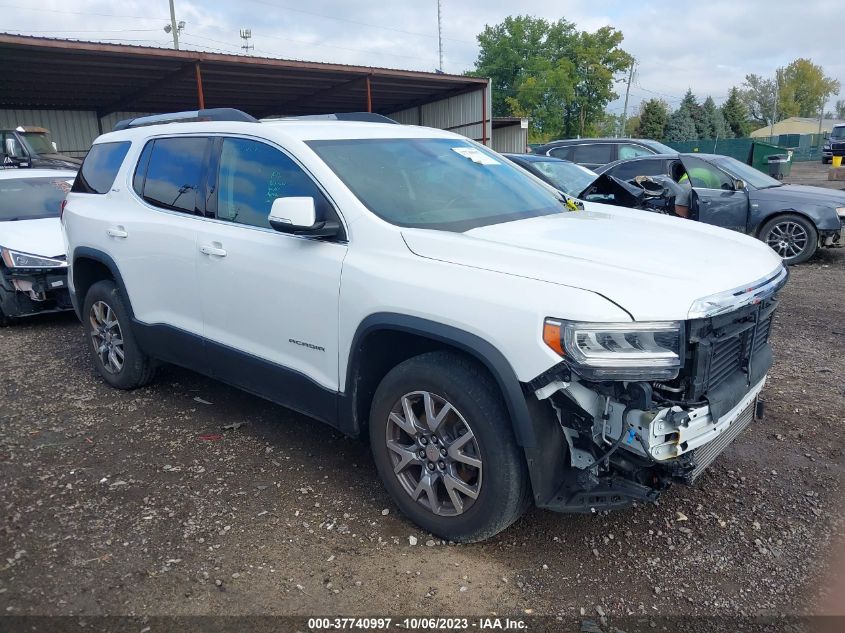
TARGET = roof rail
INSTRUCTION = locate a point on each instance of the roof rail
(210, 114)
(370, 117)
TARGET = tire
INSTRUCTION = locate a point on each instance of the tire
(825, 161)
(4, 320)
(791, 236)
(108, 334)
(499, 481)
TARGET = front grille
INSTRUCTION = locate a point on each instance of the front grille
(705, 455)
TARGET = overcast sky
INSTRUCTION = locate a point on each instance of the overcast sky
(706, 45)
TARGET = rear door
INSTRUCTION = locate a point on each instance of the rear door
(714, 199)
(269, 299)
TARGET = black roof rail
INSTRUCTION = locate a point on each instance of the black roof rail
(210, 114)
(369, 117)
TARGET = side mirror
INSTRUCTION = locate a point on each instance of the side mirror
(739, 185)
(298, 216)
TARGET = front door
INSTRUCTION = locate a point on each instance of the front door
(269, 299)
(715, 199)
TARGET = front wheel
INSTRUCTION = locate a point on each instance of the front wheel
(791, 236)
(443, 444)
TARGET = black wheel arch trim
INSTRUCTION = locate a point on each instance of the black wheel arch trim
(477, 347)
(106, 260)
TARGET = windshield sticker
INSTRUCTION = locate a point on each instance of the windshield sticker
(476, 156)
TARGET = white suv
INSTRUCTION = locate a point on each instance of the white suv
(500, 345)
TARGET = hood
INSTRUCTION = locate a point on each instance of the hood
(803, 194)
(653, 266)
(56, 160)
(36, 237)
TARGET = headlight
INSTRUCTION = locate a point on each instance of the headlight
(827, 146)
(15, 259)
(617, 351)
(840, 211)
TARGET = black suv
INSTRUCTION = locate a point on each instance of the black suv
(594, 152)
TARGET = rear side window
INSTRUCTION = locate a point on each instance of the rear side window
(100, 167)
(629, 171)
(594, 154)
(169, 172)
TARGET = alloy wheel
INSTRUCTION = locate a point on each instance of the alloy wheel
(788, 239)
(434, 452)
(107, 337)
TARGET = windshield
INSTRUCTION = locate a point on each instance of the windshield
(445, 184)
(568, 177)
(660, 148)
(31, 198)
(38, 143)
(838, 132)
(751, 176)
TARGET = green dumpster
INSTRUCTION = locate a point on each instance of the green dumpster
(760, 153)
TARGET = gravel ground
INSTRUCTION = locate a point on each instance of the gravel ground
(189, 497)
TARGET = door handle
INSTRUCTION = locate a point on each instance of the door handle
(212, 250)
(117, 232)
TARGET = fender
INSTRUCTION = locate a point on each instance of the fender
(473, 345)
(108, 262)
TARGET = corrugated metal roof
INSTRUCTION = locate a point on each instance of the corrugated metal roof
(50, 73)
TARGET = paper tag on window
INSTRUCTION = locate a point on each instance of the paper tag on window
(476, 156)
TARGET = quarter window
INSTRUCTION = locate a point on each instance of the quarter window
(252, 175)
(100, 167)
(173, 172)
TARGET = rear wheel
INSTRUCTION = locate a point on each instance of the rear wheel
(108, 330)
(444, 447)
(791, 236)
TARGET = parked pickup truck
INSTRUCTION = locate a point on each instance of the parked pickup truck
(498, 343)
(26, 146)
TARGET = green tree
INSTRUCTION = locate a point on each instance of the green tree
(560, 77)
(691, 105)
(736, 114)
(804, 88)
(758, 96)
(839, 112)
(654, 114)
(713, 122)
(681, 126)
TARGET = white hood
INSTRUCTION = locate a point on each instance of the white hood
(36, 237)
(651, 265)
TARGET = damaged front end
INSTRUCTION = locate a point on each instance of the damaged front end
(629, 431)
(32, 285)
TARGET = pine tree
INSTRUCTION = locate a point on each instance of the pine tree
(691, 105)
(736, 114)
(654, 115)
(681, 126)
(713, 122)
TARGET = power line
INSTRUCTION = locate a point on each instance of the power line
(99, 15)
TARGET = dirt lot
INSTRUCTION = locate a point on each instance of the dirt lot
(145, 503)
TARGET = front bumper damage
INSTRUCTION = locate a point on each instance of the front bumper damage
(32, 291)
(628, 442)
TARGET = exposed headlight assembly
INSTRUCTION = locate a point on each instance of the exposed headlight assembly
(840, 211)
(618, 351)
(16, 259)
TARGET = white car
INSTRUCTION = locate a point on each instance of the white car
(499, 345)
(33, 267)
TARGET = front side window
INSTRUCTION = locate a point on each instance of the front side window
(173, 172)
(703, 174)
(31, 198)
(632, 151)
(434, 183)
(568, 177)
(100, 167)
(252, 175)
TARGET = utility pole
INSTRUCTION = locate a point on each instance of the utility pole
(173, 26)
(627, 92)
(440, 34)
(775, 104)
